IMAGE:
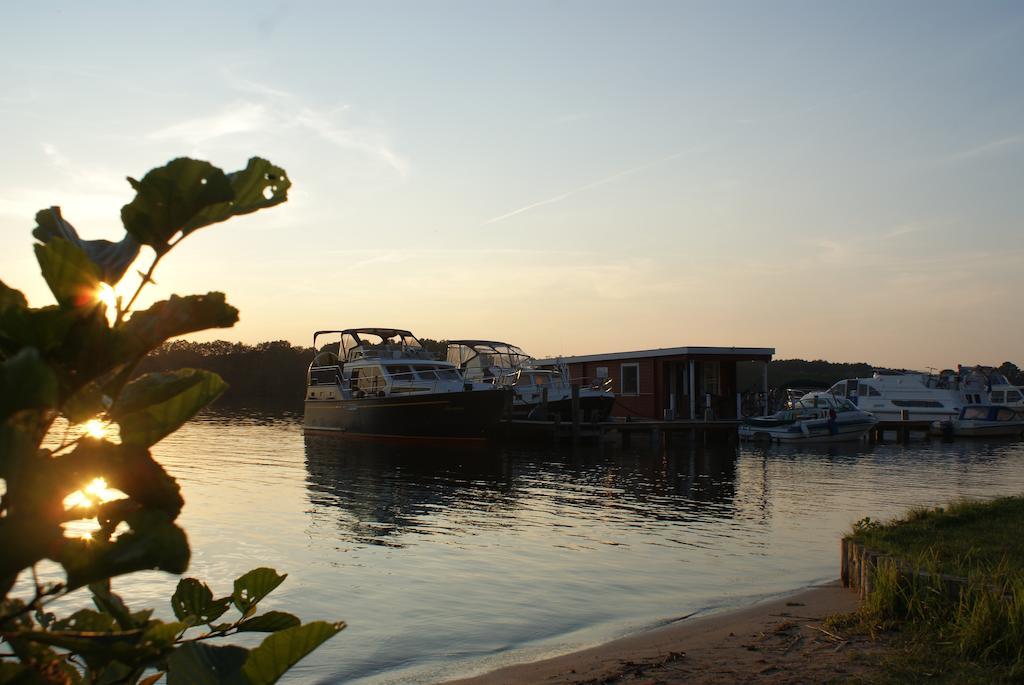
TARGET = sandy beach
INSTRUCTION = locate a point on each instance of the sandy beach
(777, 642)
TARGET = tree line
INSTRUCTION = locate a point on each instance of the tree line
(273, 373)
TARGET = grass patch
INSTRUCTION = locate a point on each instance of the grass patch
(944, 630)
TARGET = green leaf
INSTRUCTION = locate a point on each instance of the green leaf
(258, 186)
(11, 299)
(26, 382)
(253, 586)
(111, 604)
(157, 404)
(282, 650)
(162, 635)
(44, 329)
(153, 542)
(148, 329)
(86, 403)
(86, 620)
(270, 622)
(73, 277)
(195, 663)
(193, 600)
(168, 199)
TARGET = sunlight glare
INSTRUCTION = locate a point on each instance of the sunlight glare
(95, 492)
(106, 295)
(95, 428)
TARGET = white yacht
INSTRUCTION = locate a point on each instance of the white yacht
(505, 365)
(925, 396)
(382, 382)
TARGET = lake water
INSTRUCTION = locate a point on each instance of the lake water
(452, 561)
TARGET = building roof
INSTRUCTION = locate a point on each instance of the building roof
(747, 352)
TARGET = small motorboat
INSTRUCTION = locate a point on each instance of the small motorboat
(815, 418)
(982, 420)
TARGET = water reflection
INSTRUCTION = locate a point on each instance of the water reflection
(380, 493)
(448, 560)
(383, 492)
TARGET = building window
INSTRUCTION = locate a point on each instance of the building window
(630, 379)
(602, 372)
(711, 377)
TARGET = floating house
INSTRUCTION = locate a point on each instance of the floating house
(675, 382)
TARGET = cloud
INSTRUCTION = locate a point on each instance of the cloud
(580, 189)
(273, 109)
(904, 229)
(991, 147)
(241, 117)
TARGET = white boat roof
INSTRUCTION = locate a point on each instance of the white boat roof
(752, 352)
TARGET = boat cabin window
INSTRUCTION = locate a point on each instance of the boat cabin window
(975, 413)
(426, 373)
(865, 390)
(998, 396)
(839, 389)
(1005, 414)
(369, 379)
(400, 372)
(446, 374)
(1012, 396)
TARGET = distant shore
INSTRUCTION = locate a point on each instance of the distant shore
(777, 641)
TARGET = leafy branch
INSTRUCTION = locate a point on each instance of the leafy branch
(66, 361)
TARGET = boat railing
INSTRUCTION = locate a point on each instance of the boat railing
(599, 384)
(419, 380)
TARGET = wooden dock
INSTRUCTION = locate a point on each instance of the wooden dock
(655, 431)
(658, 432)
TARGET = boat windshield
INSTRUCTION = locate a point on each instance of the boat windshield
(378, 342)
(479, 354)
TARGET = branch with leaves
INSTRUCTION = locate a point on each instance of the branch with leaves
(72, 362)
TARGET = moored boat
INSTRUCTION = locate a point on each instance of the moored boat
(815, 418)
(538, 392)
(382, 382)
(982, 420)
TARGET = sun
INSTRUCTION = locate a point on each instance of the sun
(106, 295)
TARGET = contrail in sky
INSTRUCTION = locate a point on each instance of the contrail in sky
(588, 186)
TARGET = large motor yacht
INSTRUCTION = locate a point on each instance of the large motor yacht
(927, 397)
(505, 365)
(382, 382)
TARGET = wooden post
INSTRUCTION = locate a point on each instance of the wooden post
(693, 399)
(575, 411)
(764, 383)
(544, 403)
(844, 562)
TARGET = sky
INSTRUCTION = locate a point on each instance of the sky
(835, 180)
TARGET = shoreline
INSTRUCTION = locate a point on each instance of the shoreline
(771, 641)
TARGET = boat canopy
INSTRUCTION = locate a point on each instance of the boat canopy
(485, 354)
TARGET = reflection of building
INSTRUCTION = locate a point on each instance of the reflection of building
(677, 382)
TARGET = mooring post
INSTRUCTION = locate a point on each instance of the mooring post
(544, 403)
(575, 412)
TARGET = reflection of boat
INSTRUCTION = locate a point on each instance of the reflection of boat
(982, 420)
(506, 365)
(817, 417)
(381, 382)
